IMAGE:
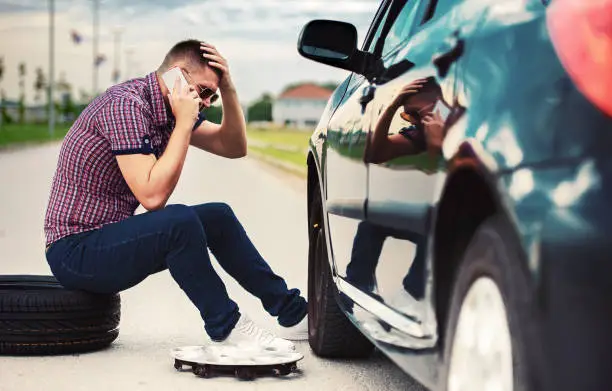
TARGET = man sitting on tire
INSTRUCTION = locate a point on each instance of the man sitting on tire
(128, 148)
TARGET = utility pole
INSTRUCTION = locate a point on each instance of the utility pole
(51, 67)
(96, 6)
(117, 56)
(129, 62)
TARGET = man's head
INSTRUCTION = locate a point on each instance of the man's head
(424, 100)
(187, 55)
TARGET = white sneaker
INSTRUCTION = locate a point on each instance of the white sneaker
(247, 335)
(298, 332)
(405, 303)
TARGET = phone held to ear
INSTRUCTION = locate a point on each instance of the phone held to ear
(443, 109)
(170, 76)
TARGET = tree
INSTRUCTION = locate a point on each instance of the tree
(261, 110)
(2, 109)
(40, 83)
(22, 97)
(5, 117)
(84, 96)
(66, 105)
(330, 85)
(214, 114)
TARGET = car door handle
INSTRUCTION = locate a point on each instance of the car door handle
(367, 96)
(444, 61)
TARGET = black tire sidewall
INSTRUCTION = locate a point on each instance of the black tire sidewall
(330, 332)
(41, 317)
(319, 274)
(488, 255)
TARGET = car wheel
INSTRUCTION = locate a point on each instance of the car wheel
(490, 337)
(38, 316)
(330, 333)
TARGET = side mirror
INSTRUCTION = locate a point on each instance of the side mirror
(331, 42)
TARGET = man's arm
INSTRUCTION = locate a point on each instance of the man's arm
(434, 133)
(383, 147)
(151, 180)
(227, 139)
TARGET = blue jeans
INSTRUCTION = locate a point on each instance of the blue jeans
(367, 247)
(120, 255)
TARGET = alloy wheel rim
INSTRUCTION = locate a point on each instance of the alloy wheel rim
(481, 358)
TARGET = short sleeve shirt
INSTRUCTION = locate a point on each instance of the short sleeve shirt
(416, 135)
(88, 189)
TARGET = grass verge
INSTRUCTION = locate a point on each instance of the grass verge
(16, 134)
(283, 146)
(280, 136)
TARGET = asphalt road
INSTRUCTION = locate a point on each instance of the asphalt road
(156, 316)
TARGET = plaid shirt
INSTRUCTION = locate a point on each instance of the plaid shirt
(88, 189)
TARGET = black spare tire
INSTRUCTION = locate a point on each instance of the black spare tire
(38, 316)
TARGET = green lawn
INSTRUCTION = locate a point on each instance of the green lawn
(295, 158)
(30, 133)
(286, 145)
(280, 136)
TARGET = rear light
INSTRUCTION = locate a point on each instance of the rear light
(581, 33)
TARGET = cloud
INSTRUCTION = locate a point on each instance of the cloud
(258, 37)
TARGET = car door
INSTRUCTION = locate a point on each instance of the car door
(345, 171)
(390, 248)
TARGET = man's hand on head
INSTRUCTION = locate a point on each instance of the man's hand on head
(216, 60)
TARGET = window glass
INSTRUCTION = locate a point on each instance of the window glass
(436, 9)
(401, 27)
(379, 29)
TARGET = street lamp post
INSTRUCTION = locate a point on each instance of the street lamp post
(51, 67)
(96, 11)
(129, 53)
(117, 56)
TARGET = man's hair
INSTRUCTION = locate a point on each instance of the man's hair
(431, 87)
(189, 51)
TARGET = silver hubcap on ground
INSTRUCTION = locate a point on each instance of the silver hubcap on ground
(481, 358)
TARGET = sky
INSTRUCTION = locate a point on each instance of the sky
(257, 37)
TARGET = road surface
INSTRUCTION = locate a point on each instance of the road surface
(156, 316)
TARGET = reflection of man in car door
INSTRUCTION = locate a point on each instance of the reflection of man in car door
(421, 102)
(425, 133)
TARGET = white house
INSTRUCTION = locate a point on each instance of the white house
(300, 106)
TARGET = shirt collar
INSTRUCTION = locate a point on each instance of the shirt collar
(157, 101)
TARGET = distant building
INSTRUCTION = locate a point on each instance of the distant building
(36, 113)
(32, 113)
(300, 106)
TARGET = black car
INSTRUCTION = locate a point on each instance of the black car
(460, 192)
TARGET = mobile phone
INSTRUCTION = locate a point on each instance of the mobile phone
(443, 108)
(169, 77)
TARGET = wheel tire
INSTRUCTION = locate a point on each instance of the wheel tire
(245, 374)
(40, 317)
(330, 333)
(489, 258)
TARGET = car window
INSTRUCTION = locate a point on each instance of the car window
(413, 17)
(436, 9)
(381, 23)
(401, 27)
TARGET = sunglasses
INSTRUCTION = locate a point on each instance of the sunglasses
(412, 116)
(203, 92)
